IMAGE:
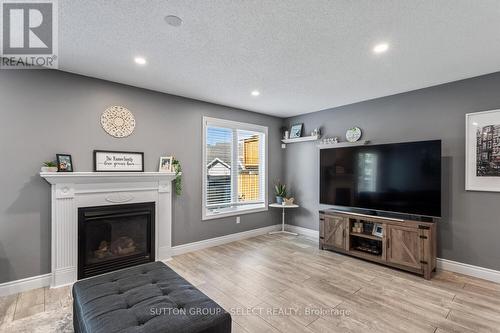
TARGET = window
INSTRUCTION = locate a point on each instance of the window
(234, 168)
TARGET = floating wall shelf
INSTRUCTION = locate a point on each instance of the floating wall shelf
(301, 139)
(343, 144)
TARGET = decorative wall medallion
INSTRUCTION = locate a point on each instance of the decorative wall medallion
(118, 121)
(353, 134)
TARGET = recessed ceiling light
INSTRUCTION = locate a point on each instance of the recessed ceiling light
(255, 93)
(140, 60)
(173, 20)
(475, 124)
(381, 48)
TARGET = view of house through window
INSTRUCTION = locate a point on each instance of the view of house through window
(234, 175)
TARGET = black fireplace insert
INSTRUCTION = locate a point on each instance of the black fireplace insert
(114, 237)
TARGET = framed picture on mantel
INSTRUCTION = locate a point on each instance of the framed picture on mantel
(118, 161)
(482, 151)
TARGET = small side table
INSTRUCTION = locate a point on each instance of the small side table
(283, 207)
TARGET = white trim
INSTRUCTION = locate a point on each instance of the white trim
(41, 281)
(234, 124)
(209, 121)
(195, 246)
(442, 264)
(71, 191)
(18, 286)
(470, 270)
(306, 232)
(236, 212)
(88, 177)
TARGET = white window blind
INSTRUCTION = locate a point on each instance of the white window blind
(234, 168)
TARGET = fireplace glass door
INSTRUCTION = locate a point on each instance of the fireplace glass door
(114, 237)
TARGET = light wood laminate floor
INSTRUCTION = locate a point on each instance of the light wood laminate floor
(286, 284)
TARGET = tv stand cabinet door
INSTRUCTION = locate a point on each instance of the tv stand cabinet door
(404, 246)
(335, 231)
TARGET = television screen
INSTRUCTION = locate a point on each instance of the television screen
(400, 178)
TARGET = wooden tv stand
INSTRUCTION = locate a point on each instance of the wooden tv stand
(405, 244)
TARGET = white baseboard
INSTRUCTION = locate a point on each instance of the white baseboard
(195, 246)
(34, 282)
(40, 281)
(309, 233)
(470, 270)
(444, 264)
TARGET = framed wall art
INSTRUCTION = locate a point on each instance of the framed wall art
(296, 131)
(482, 151)
(118, 161)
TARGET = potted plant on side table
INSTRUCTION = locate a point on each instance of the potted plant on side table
(280, 190)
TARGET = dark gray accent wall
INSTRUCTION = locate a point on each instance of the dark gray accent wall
(46, 112)
(470, 228)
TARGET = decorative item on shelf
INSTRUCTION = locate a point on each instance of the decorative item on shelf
(287, 135)
(353, 134)
(288, 201)
(378, 230)
(118, 161)
(281, 192)
(49, 166)
(165, 164)
(296, 131)
(64, 163)
(177, 168)
(482, 165)
(368, 228)
(118, 121)
(357, 227)
(316, 132)
(284, 132)
(327, 141)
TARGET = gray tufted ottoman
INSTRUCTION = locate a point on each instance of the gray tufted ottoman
(146, 298)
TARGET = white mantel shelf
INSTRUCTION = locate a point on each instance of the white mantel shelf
(105, 177)
(73, 190)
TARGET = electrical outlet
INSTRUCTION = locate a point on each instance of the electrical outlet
(238, 220)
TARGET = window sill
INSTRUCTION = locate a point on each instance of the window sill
(234, 212)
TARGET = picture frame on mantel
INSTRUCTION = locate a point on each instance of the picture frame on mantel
(118, 161)
(482, 151)
(64, 163)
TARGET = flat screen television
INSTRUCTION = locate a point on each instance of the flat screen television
(394, 178)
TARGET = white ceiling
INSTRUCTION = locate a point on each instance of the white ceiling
(302, 55)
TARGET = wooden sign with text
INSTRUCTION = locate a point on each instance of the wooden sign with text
(118, 161)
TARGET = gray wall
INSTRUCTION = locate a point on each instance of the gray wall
(470, 228)
(47, 112)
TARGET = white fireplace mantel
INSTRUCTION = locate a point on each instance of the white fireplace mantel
(73, 190)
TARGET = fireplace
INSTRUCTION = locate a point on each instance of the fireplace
(115, 237)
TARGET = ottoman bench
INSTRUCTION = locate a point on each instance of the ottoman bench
(147, 298)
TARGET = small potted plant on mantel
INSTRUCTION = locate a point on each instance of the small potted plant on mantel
(280, 190)
(49, 166)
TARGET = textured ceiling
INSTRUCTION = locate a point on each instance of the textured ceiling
(303, 55)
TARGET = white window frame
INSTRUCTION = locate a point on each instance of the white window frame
(236, 210)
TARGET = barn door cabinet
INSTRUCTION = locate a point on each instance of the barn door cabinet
(405, 244)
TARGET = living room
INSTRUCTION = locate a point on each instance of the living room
(237, 166)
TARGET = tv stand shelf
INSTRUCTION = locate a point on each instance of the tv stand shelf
(357, 234)
(405, 244)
